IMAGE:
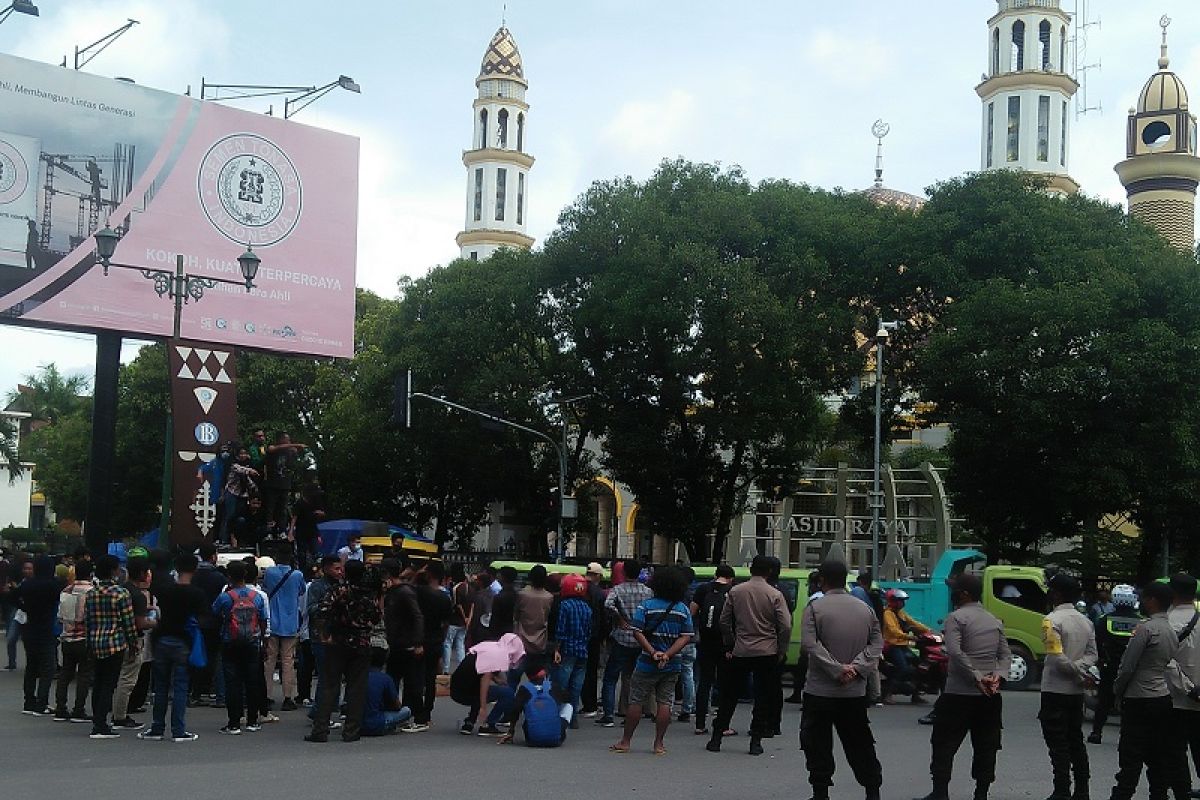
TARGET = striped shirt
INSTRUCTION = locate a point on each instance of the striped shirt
(662, 622)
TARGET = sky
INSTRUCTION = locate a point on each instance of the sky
(783, 88)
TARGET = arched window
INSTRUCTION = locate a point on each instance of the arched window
(1017, 62)
(520, 133)
(502, 129)
(482, 128)
(995, 51)
(1044, 44)
(1062, 49)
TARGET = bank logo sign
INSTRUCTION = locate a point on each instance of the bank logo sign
(250, 190)
(14, 173)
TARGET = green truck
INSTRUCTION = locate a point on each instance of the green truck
(1016, 595)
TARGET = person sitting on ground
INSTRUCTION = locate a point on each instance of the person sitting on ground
(547, 709)
(384, 714)
(482, 678)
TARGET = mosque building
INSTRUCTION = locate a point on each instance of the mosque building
(497, 164)
(1161, 169)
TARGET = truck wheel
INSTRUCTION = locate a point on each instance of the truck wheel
(1023, 672)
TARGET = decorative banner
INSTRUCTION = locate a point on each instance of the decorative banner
(204, 412)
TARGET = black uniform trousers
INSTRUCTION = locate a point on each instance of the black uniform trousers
(848, 716)
(352, 665)
(763, 669)
(1141, 744)
(957, 716)
(1104, 699)
(1061, 716)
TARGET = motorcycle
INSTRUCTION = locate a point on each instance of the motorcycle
(930, 665)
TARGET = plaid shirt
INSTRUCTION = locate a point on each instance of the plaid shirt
(108, 613)
(622, 601)
(574, 629)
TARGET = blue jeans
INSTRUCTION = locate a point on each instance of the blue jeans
(620, 663)
(12, 636)
(390, 721)
(503, 697)
(687, 678)
(569, 675)
(170, 675)
(456, 646)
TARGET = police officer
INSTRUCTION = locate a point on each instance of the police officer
(979, 660)
(841, 637)
(1070, 642)
(1183, 677)
(1113, 631)
(1141, 689)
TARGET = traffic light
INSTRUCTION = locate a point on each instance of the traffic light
(402, 400)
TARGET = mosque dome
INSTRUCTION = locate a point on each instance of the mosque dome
(1163, 92)
(883, 196)
(502, 59)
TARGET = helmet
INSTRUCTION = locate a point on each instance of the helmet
(1124, 595)
(573, 586)
(137, 551)
(896, 596)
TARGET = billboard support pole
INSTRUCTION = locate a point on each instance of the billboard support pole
(98, 519)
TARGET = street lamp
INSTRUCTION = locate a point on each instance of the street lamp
(876, 498)
(178, 285)
(19, 7)
(304, 95)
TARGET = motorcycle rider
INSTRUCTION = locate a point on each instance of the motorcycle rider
(1113, 632)
(899, 636)
(1070, 641)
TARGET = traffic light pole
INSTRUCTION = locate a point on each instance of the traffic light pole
(560, 449)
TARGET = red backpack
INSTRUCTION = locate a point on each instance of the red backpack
(245, 621)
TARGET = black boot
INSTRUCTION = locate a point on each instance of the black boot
(981, 791)
(873, 794)
(756, 748)
(1095, 737)
(714, 744)
(940, 792)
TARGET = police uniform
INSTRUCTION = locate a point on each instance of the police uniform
(1141, 686)
(1113, 632)
(977, 649)
(1070, 642)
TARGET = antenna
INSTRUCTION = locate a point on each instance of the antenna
(1083, 22)
(879, 130)
(503, 14)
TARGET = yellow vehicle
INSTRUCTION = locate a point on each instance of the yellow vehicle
(377, 548)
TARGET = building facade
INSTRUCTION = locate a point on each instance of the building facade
(1026, 92)
(498, 163)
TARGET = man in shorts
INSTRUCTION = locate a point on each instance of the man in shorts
(662, 626)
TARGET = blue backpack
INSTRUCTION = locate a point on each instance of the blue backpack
(543, 725)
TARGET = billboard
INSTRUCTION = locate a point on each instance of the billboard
(174, 175)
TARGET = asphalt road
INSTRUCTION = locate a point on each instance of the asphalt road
(39, 757)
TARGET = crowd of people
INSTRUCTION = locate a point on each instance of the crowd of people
(362, 649)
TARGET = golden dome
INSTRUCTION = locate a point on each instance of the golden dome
(502, 59)
(880, 195)
(1163, 92)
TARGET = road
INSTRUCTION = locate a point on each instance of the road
(45, 758)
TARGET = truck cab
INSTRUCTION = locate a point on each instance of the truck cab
(1016, 595)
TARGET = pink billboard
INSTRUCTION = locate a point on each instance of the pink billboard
(174, 175)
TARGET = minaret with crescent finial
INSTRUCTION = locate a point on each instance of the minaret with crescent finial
(1161, 170)
(498, 164)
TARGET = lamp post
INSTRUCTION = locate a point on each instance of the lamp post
(876, 497)
(19, 7)
(304, 95)
(180, 287)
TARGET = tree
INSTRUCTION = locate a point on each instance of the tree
(1067, 324)
(48, 395)
(710, 324)
(10, 457)
(142, 402)
(60, 453)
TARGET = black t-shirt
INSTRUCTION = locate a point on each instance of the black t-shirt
(176, 603)
(279, 468)
(140, 603)
(709, 598)
(504, 609)
(464, 683)
(311, 501)
(435, 609)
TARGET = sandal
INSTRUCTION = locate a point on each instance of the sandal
(660, 751)
(613, 748)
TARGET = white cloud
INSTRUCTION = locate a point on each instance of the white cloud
(644, 131)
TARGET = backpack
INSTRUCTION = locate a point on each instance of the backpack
(464, 683)
(543, 725)
(245, 621)
(709, 616)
